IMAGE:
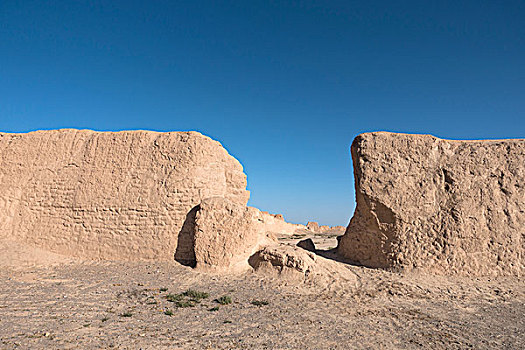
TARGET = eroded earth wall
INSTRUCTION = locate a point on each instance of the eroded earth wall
(226, 234)
(440, 206)
(110, 195)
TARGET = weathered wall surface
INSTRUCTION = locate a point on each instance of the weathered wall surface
(110, 195)
(226, 234)
(437, 205)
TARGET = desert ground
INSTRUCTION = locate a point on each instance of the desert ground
(49, 301)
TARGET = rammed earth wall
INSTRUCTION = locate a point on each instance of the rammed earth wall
(110, 195)
(440, 206)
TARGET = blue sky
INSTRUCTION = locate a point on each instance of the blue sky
(284, 85)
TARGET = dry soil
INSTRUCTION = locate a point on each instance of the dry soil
(51, 302)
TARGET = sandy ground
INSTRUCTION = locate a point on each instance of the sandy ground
(323, 241)
(51, 302)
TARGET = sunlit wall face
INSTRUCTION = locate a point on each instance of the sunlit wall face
(285, 86)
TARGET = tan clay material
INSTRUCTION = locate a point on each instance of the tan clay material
(226, 234)
(438, 206)
(110, 195)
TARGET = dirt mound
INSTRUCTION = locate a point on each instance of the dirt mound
(299, 265)
(15, 256)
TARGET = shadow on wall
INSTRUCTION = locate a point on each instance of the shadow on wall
(185, 252)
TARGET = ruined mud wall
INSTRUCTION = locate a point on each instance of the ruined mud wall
(110, 195)
(222, 235)
(226, 234)
(448, 207)
(275, 224)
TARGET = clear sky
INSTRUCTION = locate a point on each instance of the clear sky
(284, 85)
